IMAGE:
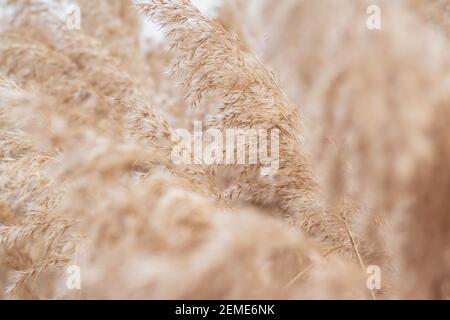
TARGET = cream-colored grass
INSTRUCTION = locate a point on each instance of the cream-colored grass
(86, 176)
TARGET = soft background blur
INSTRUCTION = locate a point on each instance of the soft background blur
(87, 178)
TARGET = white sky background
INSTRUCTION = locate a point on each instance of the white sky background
(206, 6)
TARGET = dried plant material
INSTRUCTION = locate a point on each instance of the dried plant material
(88, 128)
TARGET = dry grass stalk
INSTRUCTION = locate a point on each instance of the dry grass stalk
(86, 176)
